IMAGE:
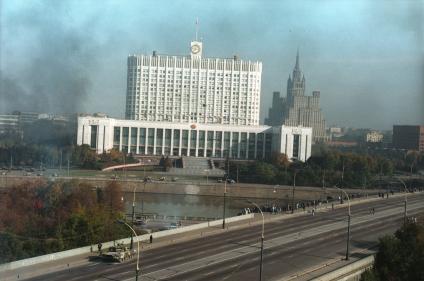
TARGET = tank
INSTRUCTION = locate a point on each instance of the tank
(118, 253)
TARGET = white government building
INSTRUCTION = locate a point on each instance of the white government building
(193, 106)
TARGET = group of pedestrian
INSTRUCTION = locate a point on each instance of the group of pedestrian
(385, 195)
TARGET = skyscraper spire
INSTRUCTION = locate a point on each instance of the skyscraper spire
(197, 28)
(297, 60)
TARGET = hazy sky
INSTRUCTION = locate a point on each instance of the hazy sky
(366, 57)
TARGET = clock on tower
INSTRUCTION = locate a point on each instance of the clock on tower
(196, 49)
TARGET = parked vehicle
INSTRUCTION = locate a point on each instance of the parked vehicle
(118, 253)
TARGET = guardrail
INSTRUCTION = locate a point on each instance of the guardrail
(88, 249)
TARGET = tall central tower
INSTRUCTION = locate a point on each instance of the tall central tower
(296, 84)
(297, 109)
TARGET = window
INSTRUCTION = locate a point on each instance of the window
(93, 139)
(296, 142)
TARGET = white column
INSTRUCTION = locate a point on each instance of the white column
(154, 141)
(172, 142)
(197, 143)
(120, 138)
(181, 142)
(137, 141)
(163, 140)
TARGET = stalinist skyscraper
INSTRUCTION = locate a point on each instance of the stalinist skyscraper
(296, 108)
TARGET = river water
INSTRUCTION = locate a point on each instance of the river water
(190, 205)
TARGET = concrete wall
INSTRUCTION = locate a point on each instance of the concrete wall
(87, 249)
(350, 272)
(211, 189)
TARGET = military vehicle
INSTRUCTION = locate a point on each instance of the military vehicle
(118, 253)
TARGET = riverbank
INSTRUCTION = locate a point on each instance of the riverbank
(243, 190)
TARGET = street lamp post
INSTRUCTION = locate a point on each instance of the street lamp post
(133, 215)
(207, 175)
(225, 197)
(294, 186)
(262, 240)
(405, 202)
(348, 223)
(137, 270)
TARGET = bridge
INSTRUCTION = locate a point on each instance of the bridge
(302, 246)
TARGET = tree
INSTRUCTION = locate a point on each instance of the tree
(280, 160)
(411, 160)
(167, 163)
(399, 257)
(265, 172)
(38, 217)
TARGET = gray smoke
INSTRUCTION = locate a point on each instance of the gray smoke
(54, 76)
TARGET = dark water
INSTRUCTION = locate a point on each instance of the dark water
(190, 205)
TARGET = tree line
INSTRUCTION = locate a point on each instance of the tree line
(325, 168)
(42, 217)
(38, 156)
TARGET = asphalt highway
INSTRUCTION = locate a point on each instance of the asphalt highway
(294, 248)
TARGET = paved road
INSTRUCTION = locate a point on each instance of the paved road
(294, 246)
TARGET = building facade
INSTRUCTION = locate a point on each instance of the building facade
(193, 89)
(196, 139)
(193, 106)
(408, 137)
(374, 137)
(297, 109)
(9, 123)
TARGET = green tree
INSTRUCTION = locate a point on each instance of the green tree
(399, 257)
(265, 172)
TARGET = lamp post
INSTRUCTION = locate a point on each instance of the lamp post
(276, 198)
(262, 239)
(405, 201)
(207, 175)
(133, 215)
(294, 186)
(137, 270)
(348, 223)
(225, 197)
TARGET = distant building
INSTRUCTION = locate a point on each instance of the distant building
(374, 137)
(296, 109)
(342, 143)
(408, 137)
(27, 117)
(335, 132)
(9, 123)
(195, 139)
(193, 106)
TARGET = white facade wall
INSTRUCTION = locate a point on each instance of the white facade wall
(201, 140)
(284, 142)
(192, 89)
